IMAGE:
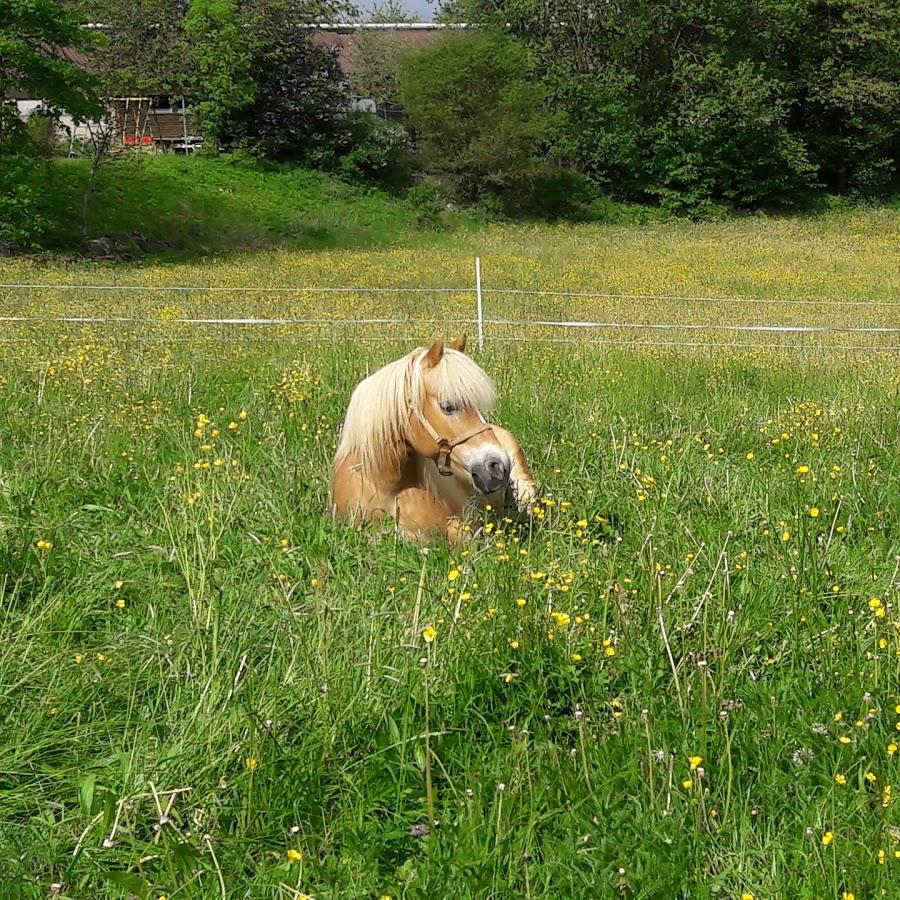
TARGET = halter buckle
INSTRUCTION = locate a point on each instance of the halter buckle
(445, 448)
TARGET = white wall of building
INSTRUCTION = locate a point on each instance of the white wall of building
(68, 128)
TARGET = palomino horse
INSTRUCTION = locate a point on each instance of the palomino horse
(415, 445)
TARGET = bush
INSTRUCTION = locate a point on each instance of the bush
(561, 194)
(379, 151)
(22, 226)
(43, 139)
(479, 111)
(430, 199)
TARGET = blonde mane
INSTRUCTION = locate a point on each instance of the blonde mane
(378, 420)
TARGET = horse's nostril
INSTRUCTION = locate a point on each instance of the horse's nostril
(498, 469)
(490, 474)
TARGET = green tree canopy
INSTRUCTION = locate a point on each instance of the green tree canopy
(234, 61)
(480, 110)
(33, 34)
(735, 101)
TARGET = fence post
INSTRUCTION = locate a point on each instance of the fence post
(479, 308)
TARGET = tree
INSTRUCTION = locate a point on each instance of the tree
(102, 134)
(244, 66)
(479, 109)
(33, 34)
(378, 55)
(223, 53)
(296, 107)
(743, 102)
(846, 59)
(299, 107)
(144, 49)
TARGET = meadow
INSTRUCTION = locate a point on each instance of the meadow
(676, 676)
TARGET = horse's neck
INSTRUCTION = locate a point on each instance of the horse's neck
(417, 471)
(444, 487)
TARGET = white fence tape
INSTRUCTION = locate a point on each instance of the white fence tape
(519, 323)
(593, 295)
(588, 295)
(219, 289)
(480, 321)
(499, 341)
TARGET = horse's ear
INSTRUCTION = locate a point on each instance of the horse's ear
(459, 343)
(435, 353)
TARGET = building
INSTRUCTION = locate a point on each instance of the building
(155, 122)
(27, 105)
(386, 39)
(152, 122)
(344, 37)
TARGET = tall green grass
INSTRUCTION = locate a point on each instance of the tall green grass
(677, 678)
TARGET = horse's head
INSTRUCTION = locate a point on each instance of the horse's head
(448, 425)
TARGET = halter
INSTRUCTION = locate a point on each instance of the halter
(447, 445)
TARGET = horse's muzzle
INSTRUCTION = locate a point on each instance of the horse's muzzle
(491, 473)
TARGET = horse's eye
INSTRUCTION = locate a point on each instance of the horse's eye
(448, 408)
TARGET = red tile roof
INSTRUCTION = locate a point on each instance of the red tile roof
(344, 40)
(70, 54)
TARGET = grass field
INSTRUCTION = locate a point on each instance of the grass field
(171, 207)
(678, 677)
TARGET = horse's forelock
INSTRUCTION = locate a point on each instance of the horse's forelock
(458, 379)
(377, 423)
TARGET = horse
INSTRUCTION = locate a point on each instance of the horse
(415, 446)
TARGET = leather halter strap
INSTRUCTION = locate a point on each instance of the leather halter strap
(447, 445)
